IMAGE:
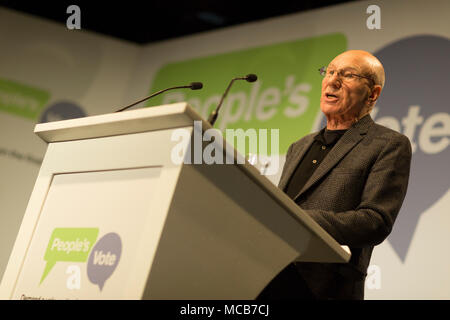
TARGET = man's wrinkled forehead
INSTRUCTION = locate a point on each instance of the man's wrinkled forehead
(349, 62)
(342, 68)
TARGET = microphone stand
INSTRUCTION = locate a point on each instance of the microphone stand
(150, 96)
(213, 116)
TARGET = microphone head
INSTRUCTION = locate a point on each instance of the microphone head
(251, 77)
(196, 85)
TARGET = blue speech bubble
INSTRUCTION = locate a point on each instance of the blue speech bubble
(104, 259)
(415, 96)
(62, 110)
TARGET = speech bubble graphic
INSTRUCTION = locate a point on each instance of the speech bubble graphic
(414, 103)
(68, 244)
(104, 259)
(62, 110)
(22, 100)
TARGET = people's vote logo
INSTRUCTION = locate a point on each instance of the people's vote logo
(413, 102)
(77, 245)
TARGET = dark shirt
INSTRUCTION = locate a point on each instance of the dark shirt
(323, 142)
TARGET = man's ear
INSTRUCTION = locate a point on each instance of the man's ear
(375, 93)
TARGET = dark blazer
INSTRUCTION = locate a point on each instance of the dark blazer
(355, 195)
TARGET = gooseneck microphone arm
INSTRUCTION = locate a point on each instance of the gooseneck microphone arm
(214, 114)
(192, 86)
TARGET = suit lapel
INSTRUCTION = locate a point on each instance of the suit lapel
(348, 141)
(298, 153)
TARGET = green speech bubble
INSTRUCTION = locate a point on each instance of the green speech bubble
(68, 244)
(286, 95)
(22, 100)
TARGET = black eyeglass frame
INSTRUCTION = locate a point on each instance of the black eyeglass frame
(323, 73)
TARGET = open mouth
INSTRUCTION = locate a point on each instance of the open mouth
(331, 96)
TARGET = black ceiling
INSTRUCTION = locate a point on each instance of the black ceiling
(149, 21)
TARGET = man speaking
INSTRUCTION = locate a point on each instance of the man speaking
(351, 178)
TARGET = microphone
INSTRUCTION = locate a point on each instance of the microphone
(213, 116)
(192, 86)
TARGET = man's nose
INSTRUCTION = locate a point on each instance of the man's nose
(335, 80)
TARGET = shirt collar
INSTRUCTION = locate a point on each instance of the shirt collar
(329, 137)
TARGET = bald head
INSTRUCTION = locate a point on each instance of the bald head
(368, 64)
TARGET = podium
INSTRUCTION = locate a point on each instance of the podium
(120, 211)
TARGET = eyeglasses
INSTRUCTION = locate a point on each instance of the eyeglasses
(345, 75)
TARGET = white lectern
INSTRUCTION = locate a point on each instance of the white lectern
(115, 215)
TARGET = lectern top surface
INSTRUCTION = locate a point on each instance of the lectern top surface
(127, 122)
